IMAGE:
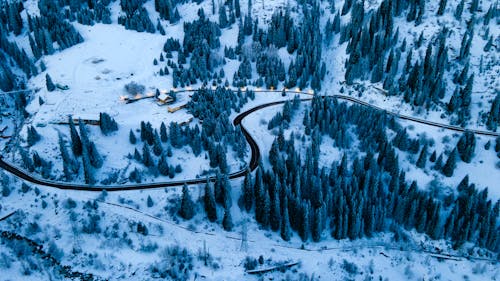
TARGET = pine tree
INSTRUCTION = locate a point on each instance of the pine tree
(33, 136)
(247, 194)
(132, 138)
(137, 156)
(186, 210)
(488, 45)
(494, 114)
(460, 9)
(149, 202)
(422, 158)
(442, 7)
(227, 200)
(157, 146)
(70, 166)
(275, 212)
(474, 6)
(163, 167)
(316, 227)
(222, 17)
(450, 164)
(209, 202)
(76, 143)
(27, 160)
(88, 171)
(147, 159)
(227, 221)
(48, 82)
(285, 232)
(304, 222)
(438, 163)
(466, 145)
(237, 9)
(266, 210)
(135, 176)
(95, 158)
(163, 132)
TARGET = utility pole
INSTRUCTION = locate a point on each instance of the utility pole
(244, 237)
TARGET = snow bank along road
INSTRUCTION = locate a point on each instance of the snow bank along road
(255, 152)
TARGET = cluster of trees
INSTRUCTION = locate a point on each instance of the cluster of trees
(51, 27)
(375, 54)
(154, 156)
(219, 193)
(7, 77)
(284, 117)
(201, 37)
(217, 133)
(87, 12)
(304, 40)
(44, 30)
(369, 196)
(214, 108)
(107, 123)
(10, 17)
(167, 10)
(35, 163)
(136, 16)
(84, 147)
(81, 146)
(228, 12)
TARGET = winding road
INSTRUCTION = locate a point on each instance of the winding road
(255, 151)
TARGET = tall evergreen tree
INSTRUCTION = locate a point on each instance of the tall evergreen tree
(147, 159)
(157, 146)
(227, 221)
(163, 166)
(186, 210)
(163, 132)
(422, 158)
(32, 136)
(70, 166)
(132, 138)
(466, 145)
(442, 7)
(209, 202)
(450, 164)
(48, 82)
(247, 193)
(95, 158)
(222, 17)
(275, 211)
(76, 143)
(88, 171)
(285, 231)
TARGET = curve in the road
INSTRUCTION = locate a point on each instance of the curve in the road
(254, 159)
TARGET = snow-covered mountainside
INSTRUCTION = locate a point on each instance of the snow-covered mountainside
(249, 140)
